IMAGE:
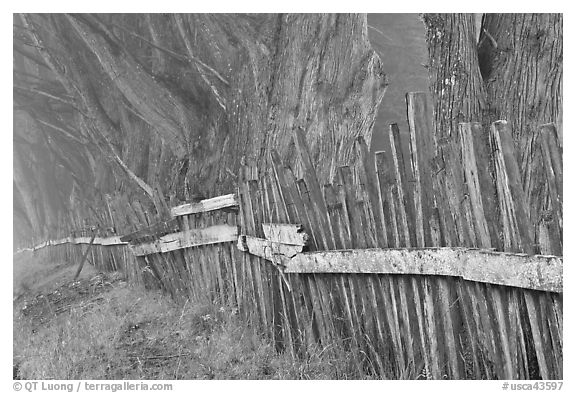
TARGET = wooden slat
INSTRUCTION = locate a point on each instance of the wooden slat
(473, 184)
(286, 233)
(386, 182)
(421, 148)
(368, 177)
(109, 241)
(191, 238)
(385, 287)
(484, 165)
(292, 201)
(535, 318)
(103, 241)
(319, 206)
(156, 230)
(403, 202)
(272, 251)
(308, 211)
(546, 304)
(517, 343)
(518, 270)
(253, 218)
(206, 205)
(333, 215)
(518, 232)
(501, 332)
(454, 194)
(348, 196)
(549, 149)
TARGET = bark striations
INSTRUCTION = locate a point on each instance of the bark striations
(134, 113)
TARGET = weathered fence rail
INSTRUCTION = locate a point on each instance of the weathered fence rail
(421, 266)
(539, 272)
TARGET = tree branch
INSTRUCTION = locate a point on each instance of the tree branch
(180, 23)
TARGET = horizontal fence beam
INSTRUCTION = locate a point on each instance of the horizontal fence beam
(101, 241)
(206, 205)
(155, 230)
(536, 272)
(186, 239)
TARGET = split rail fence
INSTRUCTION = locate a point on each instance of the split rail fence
(420, 265)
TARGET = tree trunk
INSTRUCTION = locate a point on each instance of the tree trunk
(521, 60)
(513, 73)
(173, 103)
(456, 85)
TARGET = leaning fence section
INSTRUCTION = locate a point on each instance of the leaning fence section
(421, 261)
(407, 312)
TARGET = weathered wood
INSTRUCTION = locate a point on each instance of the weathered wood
(84, 257)
(385, 183)
(454, 194)
(313, 185)
(386, 289)
(501, 332)
(308, 210)
(333, 206)
(535, 317)
(408, 328)
(473, 184)
(556, 342)
(549, 148)
(206, 205)
(485, 166)
(403, 202)
(518, 232)
(109, 241)
(368, 177)
(517, 344)
(292, 201)
(255, 217)
(351, 207)
(286, 233)
(421, 147)
(191, 238)
(430, 333)
(518, 270)
(102, 241)
(493, 361)
(448, 325)
(282, 323)
(469, 335)
(378, 313)
(552, 138)
(156, 230)
(272, 251)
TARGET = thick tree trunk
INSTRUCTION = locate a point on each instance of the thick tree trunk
(174, 103)
(513, 73)
(456, 85)
(319, 74)
(521, 60)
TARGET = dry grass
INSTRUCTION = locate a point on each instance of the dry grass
(122, 332)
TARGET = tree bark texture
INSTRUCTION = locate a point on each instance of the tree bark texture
(456, 85)
(510, 70)
(163, 108)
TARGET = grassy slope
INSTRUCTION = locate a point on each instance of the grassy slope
(102, 328)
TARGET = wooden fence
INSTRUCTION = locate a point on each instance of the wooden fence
(425, 266)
